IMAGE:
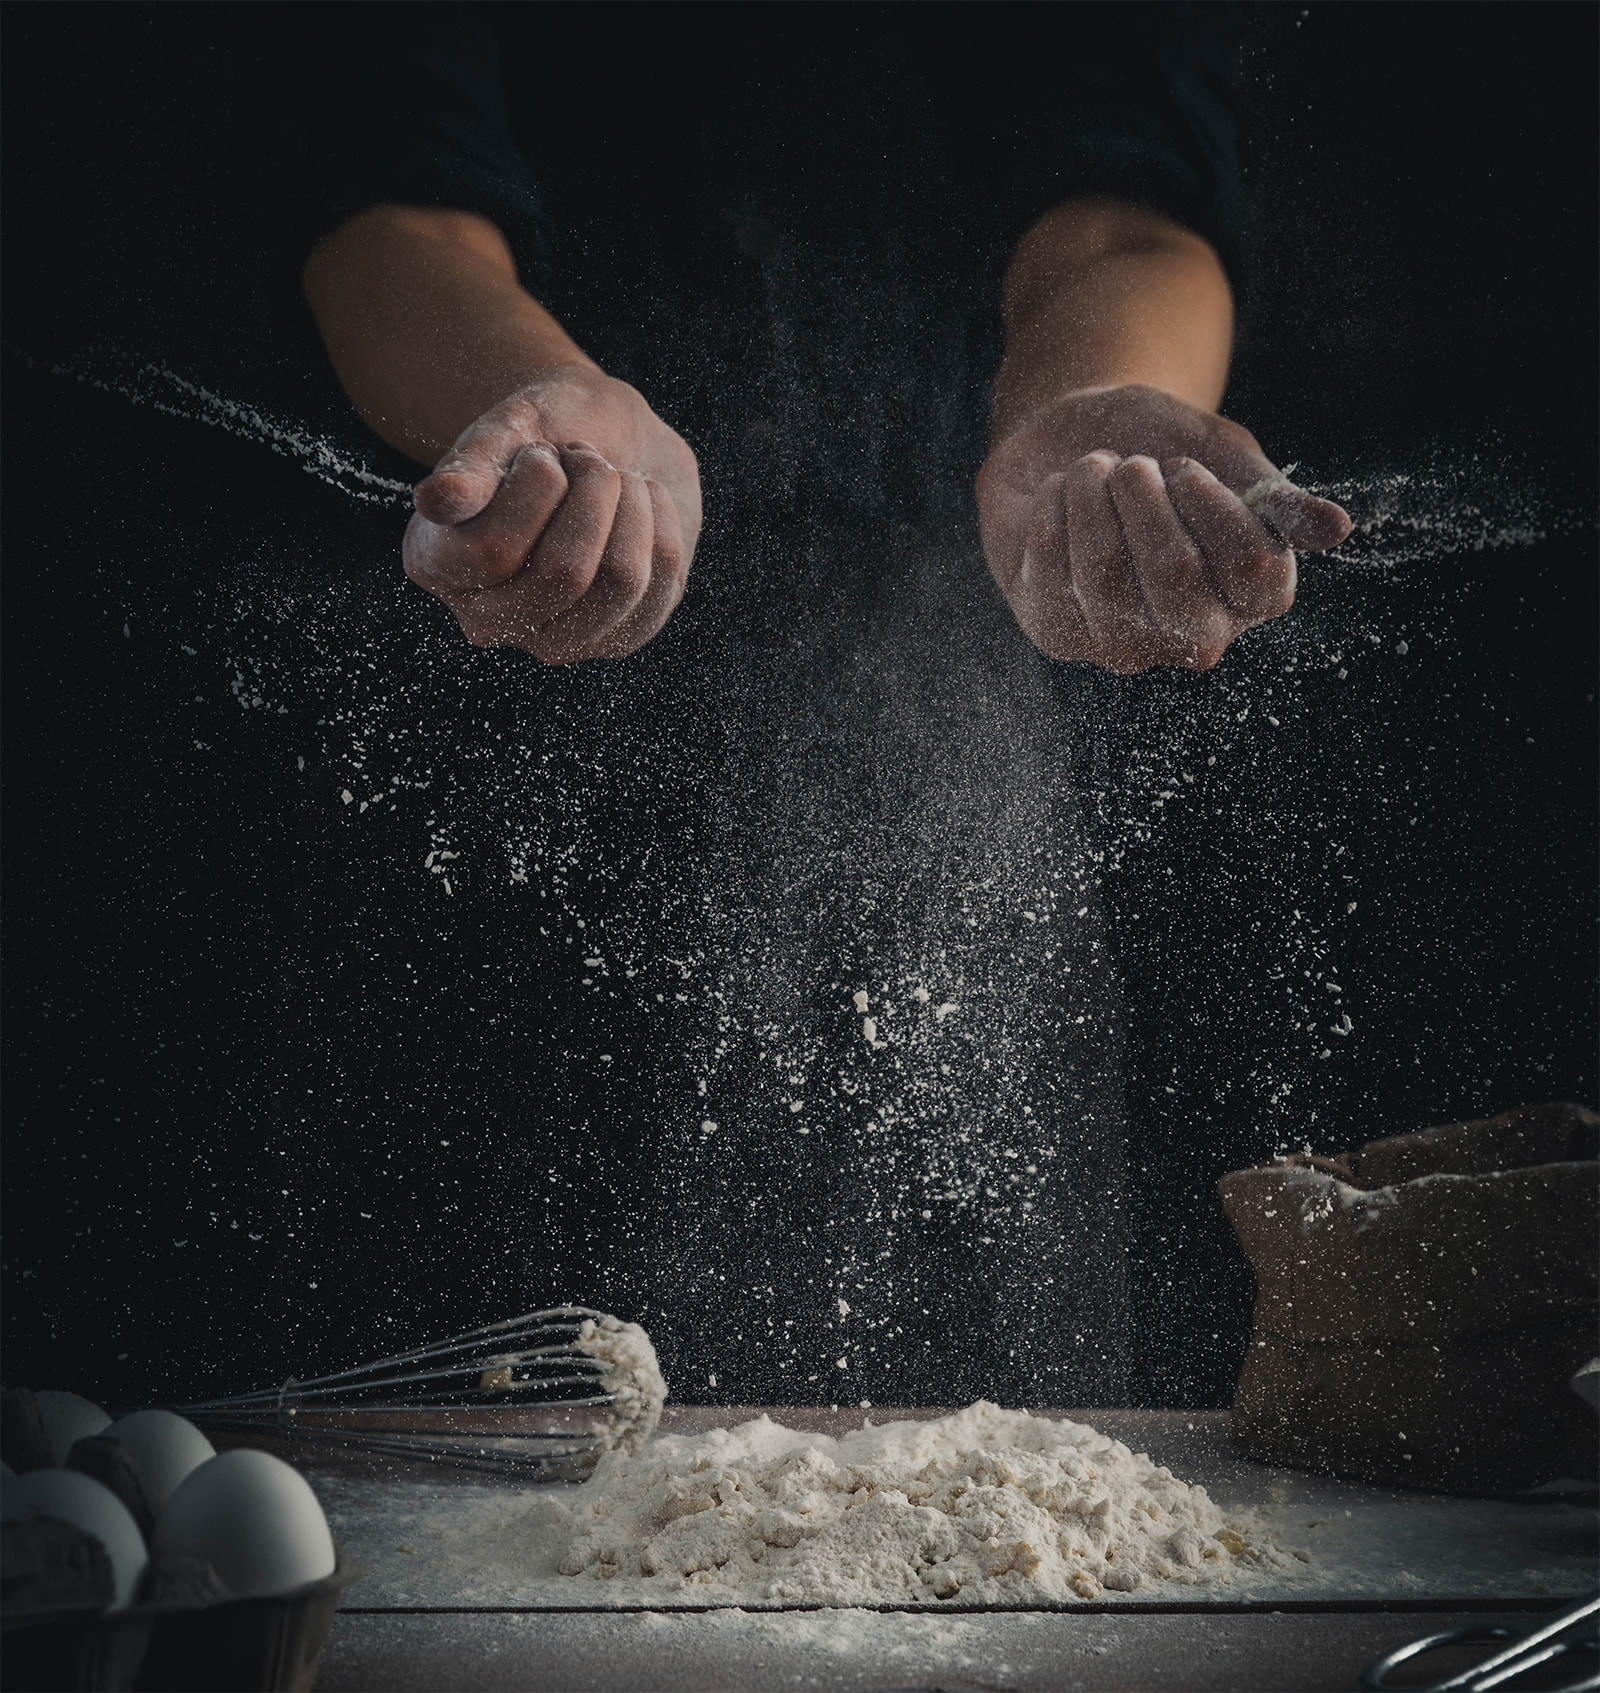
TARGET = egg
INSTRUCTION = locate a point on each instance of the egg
(168, 1448)
(86, 1504)
(68, 1417)
(254, 1518)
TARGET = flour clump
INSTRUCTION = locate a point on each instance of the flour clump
(632, 1377)
(986, 1506)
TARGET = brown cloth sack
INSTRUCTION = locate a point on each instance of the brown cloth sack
(1422, 1303)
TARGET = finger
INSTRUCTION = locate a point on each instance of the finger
(1193, 621)
(1114, 607)
(492, 547)
(1308, 524)
(562, 563)
(1235, 458)
(1045, 603)
(465, 480)
(669, 575)
(1254, 571)
(619, 583)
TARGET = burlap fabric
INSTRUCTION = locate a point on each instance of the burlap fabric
(1423, 1302)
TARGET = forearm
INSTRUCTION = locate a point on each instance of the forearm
(426, 323)
(1101, 294)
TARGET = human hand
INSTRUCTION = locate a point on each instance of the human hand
(562, 521)
(1113, 522)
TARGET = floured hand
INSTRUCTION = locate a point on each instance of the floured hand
(562, 521)
(1114, 522)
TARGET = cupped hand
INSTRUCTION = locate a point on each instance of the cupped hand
(1130, 528)
(562, 521)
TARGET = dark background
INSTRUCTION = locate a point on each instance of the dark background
(1422, 293)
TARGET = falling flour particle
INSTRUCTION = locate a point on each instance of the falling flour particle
(985, 1505)
(630, 1375)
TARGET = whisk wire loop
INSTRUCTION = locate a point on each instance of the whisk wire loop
(532, 1372)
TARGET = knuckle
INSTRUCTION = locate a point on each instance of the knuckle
(518, 411)
(543, 472)
(591, 463)
(1136, 471)
(1186, 481)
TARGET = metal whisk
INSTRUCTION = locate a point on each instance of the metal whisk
(518, 1394)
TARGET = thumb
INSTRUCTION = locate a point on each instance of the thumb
(457, 491)
(1308, 524)
(468, 477)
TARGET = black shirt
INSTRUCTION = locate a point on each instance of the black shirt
(982, 116)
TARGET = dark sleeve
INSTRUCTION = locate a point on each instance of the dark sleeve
(403, 104)
(1134, 101)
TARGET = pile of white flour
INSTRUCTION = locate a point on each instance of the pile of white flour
(985, 1506)
(631, 1376)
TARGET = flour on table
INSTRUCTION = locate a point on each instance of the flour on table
(632, 1377)
(984, 1506)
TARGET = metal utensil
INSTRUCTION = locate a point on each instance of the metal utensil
(555, 1404)
(1575, 1629)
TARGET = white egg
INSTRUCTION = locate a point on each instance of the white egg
(86, 1504)
(169, 1450)
(255, 1518)
(69, 1417)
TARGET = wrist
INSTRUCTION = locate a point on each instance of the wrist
(1040, 375)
